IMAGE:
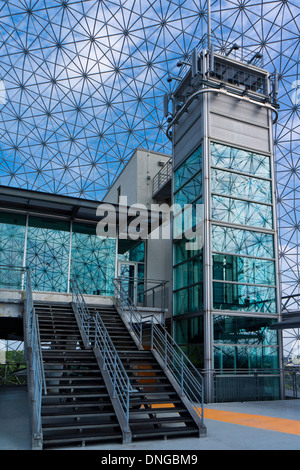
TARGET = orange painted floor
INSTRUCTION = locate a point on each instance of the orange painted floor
(289, 426)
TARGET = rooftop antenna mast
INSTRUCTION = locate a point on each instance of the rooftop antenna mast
(209, 23)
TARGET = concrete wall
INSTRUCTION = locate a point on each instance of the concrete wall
(136, 182)
(12, 301)
(136, 178)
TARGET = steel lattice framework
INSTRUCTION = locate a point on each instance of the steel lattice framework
(83, 84)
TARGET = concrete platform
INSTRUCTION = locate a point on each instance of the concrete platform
(268, 425)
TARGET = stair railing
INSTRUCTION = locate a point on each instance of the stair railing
(36, 376)
(81, 310)
(153, 335)
(99, 338)
(122, 388)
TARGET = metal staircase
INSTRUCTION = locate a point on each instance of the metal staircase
(77, 407)
(92, 380)
(156, 408)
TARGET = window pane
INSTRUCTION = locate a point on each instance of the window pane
(244, 298)
(189, 335)
(93, 261)
(245, 270)
(241, 212)
(189, 192)
(12, 241)
(245, 357)
(224, 182)
(243, 330)
(189, 168)
(240, 160)
(181, 253)
(242, 242)
(188, 300)
(47, 254)
(188, 273)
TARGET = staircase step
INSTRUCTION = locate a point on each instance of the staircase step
(82, 438)
(78, 425)
(161, 420)
(87, 414)
(165, 432)
(76, 405)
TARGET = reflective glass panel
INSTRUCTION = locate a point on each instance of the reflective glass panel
(190, 191)
(245, 298)
(188, 273)
(245, 357)
(188, 334)
(130, 250)
(190, 167)
(235, 211)
(188, 300)
(12, 242)
(47, 254)
(245, 270)
(243, 330)
(242, 242)
(240, 160)
(93, 260)
(181, 253)
(225, 182)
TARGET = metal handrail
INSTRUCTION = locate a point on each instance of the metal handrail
(81, 308)
(99, 338)
(175, 361)
(162, 177)
(147, 289)
(35, 361)
(122, 388)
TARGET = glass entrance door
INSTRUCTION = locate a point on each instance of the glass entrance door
(128, 273)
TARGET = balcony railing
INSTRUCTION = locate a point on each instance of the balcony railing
(149, 293)
(162, 177)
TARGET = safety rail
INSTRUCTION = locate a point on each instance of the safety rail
(150, 333)
(99, 339)
(122, 388)
(147, 292)
(81, 310)
(36, 376)
(16, 277)
(162, 177)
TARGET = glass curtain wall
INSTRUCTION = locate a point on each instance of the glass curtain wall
(243, 260)
(47, 254)
(243, 263)
(56, 251)
(92, 260)
(12, 242)
(188, 264)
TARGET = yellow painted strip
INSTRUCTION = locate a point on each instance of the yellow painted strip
(164, 405)
(288, 426)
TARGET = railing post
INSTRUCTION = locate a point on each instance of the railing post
(127, 404)
(182, 378)
(104, 351)
(152, 338)
(96, 335)
(166, 348)
(115, 375)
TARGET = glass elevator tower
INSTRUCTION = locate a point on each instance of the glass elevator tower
(226, 291)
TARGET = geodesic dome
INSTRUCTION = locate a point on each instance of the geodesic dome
(82, 85)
